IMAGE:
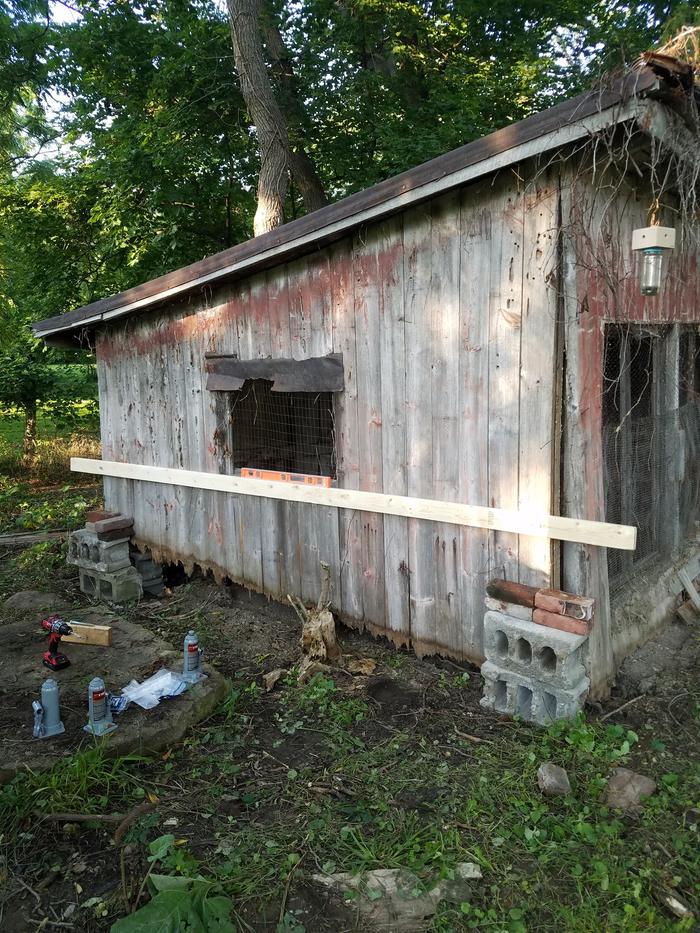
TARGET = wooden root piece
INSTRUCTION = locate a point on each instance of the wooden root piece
(318, 641)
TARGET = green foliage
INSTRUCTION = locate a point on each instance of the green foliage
(183, 900)
(22, 510)
(86, 782)
(318, 702)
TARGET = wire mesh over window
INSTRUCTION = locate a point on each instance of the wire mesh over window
(286, 431)
(651, 441)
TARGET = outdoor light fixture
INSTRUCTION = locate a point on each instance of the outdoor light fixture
(652, 246)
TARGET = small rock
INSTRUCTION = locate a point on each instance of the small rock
(364, 666)
(692, 817)
(272, 677)
(34, 601)
(676, 906)
(626, 789)
(553, 780)
(308, 668)
(396, 899)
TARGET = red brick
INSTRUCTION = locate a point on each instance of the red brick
(114, 524)
(565, 604)
(509, 592)
(99, 515)
(562, 623)
(119, 534)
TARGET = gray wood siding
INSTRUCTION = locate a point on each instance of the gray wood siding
(446, 319)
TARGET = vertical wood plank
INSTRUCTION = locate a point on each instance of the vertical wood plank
(538, 358)
(252, 319)
(393, 415)
(445, 332)
(347, 431)
(585, 568)
(273, 514)
(473, 447)
(419, 425)
(366, 246)
(505, 316)
(234, 529)
(322, 521)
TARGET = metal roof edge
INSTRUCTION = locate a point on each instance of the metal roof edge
(567, 122)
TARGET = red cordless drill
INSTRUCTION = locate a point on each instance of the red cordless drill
(56, 628)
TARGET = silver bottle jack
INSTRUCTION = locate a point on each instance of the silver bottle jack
(47, 714)
(192, 658)
(99, 714)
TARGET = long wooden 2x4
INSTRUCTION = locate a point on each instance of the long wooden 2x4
(602, 534)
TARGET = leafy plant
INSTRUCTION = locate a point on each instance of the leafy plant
(179, 901)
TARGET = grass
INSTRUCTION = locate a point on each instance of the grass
(47, 497)
(276, 787)
(363, 793)
(56, 444)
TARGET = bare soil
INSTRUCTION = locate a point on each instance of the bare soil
(224, 779)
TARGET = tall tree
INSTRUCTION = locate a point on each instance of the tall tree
(278, 155)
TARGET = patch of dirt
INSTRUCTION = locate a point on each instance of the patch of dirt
(240, 780)
(659, 666)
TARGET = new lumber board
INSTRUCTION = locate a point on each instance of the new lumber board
(84, 633)
(601, 534)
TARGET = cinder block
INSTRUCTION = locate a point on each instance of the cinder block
(510, 609)
(124, 586)
(544, 654)
(517, 695)
(87, 551)
(150, 571)
(565, 604)
(562, 623)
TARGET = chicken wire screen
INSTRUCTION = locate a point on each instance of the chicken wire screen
(651, 441)
(288, 431)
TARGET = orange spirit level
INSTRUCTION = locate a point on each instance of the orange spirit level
(306, 479)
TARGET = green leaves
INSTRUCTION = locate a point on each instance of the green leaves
(180, 909)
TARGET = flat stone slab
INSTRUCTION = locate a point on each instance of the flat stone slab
(627, 789)
(136, 653)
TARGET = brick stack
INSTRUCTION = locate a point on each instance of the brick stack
(535, 642)
(100, 551)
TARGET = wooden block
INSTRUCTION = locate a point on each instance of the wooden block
(565, 604)
(524, 613)
(509, 592)
(113, 524)
(689, 587)
(688, 613)
(86, 634)
(562, 623)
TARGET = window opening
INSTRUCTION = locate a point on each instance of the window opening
(282, 431)
(633, 440)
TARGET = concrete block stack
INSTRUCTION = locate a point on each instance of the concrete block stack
(535, 642)
(100, 551)
(151, 573)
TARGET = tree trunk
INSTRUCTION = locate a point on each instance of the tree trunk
(244, 16)
(302, 168)
(277, 158)
(29, 440)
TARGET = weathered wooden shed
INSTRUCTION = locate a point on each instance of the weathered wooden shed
(470, 332)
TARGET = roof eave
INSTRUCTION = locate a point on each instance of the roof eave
(313, 232)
